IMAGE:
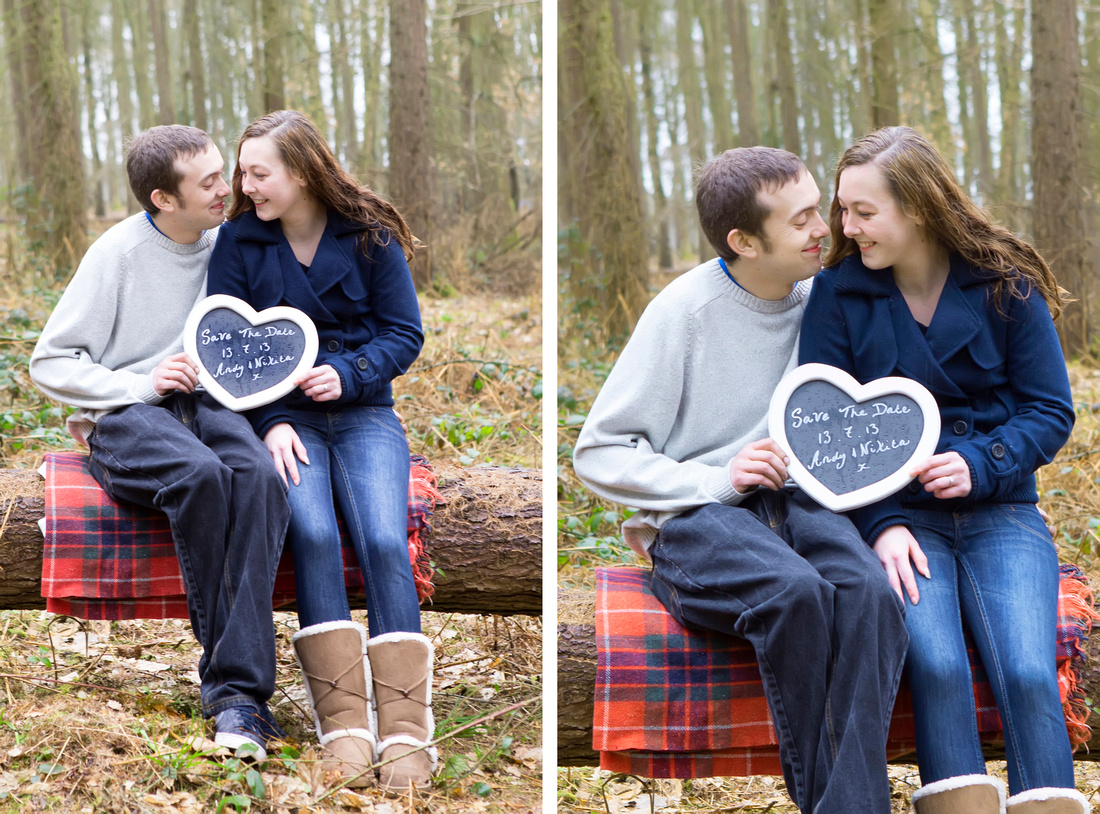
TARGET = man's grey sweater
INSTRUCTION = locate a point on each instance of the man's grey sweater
(690, 389)
(122, 313)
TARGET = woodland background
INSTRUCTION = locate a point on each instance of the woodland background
(436, 105)
(1008, 90)
(433, 104)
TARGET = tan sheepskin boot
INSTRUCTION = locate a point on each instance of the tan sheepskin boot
(332, 656)
(966, 794)
(1049, 801)
(402, 667)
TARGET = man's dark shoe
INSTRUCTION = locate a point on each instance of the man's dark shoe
(241, 727)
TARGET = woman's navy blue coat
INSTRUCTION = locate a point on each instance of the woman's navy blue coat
(1000, 380)
(364, 305)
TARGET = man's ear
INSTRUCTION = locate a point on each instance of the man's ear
(162, 200)
(742, 243)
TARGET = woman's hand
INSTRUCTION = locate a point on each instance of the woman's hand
(899, 551)
(284, 444)
(321, 384)
(945, 475)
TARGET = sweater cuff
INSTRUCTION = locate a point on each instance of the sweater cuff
(722, 488)
(148, 394)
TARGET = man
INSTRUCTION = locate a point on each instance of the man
(679, 431)
(113, 349)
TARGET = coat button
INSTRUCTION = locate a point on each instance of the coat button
(914, 487)
(333, 346)
(997, 450)
(959, 427)
(362, 363)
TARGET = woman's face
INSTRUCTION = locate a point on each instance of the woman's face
(872, 218)
(275, 191)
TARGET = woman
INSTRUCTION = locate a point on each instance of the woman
(920, 283)
(301, 232)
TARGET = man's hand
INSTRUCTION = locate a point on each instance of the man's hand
(284, 444)
(321, 383)
(945, 475)
(177, 372)
(761, 463)
(899, 551)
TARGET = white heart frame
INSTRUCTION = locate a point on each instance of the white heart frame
(859, 393)
(254, 318)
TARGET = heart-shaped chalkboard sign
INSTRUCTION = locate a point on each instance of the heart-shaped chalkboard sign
(248, 358)
(851, 444)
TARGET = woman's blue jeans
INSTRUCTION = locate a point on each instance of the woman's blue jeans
(359, 464)
(800, 585)
(993, 568)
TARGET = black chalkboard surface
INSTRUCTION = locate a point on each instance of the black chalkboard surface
(852, 444)
(246, 358)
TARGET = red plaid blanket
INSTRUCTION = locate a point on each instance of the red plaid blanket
(674, 702)
(105, 560)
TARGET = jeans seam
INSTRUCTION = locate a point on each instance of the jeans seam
(993, 670)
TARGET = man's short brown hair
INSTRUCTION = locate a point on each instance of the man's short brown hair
(727, 192)
(151, 159)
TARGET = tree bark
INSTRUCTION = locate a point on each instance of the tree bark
(783, 83)
(1059, 224)
(884, 64)
(410, 116)
(738, 25)
(158, 18)
(577, 681)
(485, 544)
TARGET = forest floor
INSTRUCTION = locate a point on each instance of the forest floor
(588, 535)
(105, 716)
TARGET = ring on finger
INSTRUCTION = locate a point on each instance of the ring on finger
(950, 480)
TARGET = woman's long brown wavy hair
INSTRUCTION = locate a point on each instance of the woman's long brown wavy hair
(307, 155)
(924, 186)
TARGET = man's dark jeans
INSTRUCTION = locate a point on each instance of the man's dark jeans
(800, 585)
(203, 466)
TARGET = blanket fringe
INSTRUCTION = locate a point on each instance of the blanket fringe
(423, 485)
(1078, 612)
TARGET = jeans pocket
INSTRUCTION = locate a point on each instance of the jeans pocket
(1026, 518)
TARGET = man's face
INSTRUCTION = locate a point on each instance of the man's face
(200, 202)
(790, 248)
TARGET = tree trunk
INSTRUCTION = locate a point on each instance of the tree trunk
(15, 33)
(693, 115)
(935, 103)
(196, 70)
(711, 22)
(139, 43)
(1059, 225)
(780, 27)
(485, 544)
(609, 209)
(737, 23)
(158, 17)
(97, 190)
(973, 60)
(577, 682)
(660, 200)
(274, 32)
(410, 114)
(1011, 79)
(60, 220)
(884, 64)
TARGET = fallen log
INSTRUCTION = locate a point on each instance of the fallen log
(577, 683)
(485, 544)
